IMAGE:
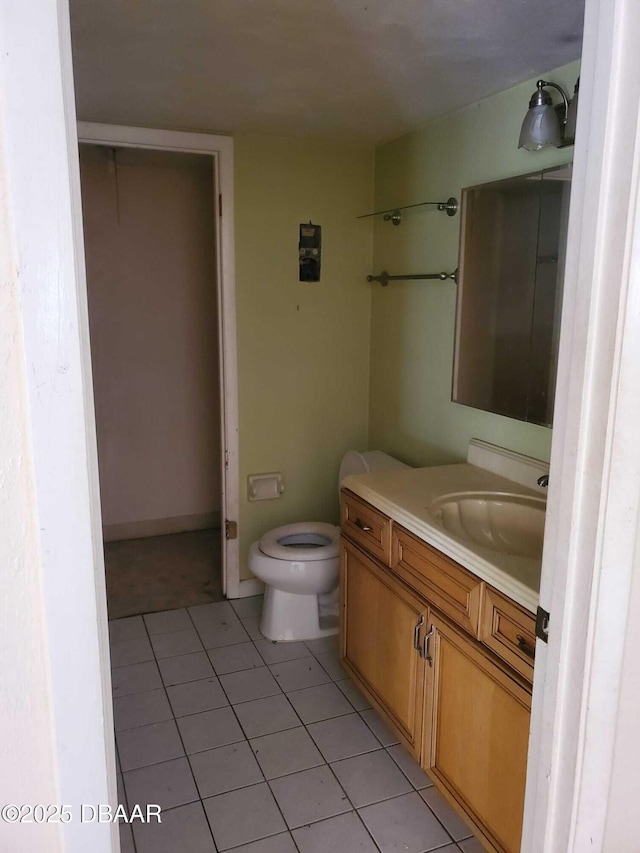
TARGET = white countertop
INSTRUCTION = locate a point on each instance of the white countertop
(404, 495)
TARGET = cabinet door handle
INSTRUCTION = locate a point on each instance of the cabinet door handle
(524, 646)
(416, 635)
(425, 653)
(363, 526)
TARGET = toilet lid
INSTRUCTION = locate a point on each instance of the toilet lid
(312, 540)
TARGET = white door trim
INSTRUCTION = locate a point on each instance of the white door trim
(220, 148)
(594, 493)
(41, 155)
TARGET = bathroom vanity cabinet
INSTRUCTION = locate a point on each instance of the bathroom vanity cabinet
(447, 660)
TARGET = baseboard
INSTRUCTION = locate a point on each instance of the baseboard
(245, 588)
(161, 526)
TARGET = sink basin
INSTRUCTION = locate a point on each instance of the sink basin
(510, 524)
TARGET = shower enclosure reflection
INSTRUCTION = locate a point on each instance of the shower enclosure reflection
(512, 246)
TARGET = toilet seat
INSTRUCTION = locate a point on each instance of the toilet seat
(308, 541)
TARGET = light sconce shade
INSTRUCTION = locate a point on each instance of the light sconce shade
(542, 125)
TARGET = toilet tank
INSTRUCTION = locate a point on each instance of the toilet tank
(354, 462)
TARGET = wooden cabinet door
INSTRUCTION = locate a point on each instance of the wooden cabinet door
(382, 623)
(477, 734)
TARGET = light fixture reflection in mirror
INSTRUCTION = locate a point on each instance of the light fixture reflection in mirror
(512, 246)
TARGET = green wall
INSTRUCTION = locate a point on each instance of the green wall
(341, 364)
(303, 348)
(412, 323)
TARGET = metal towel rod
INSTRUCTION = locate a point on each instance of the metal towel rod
(384, 278)
(394, 214)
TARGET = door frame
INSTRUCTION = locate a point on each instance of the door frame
(593, 518)
(220, 149)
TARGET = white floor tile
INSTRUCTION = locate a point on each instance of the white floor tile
(227, 634)
(248, 685)
(251, 625)
(218, 625)
(285, 752)
(196, 696)
(277, 652)
(319, 703)
(380, 729)
(309, 796)
(167, 785)
(141, 709)
(225, 769)
(209, 730)
(176, 643)
(131, 651)
(404, 825)
(446, 814)
(264, 716)
(240, 817)
(410, 767)
(126, 839)
(235, 658)
(342, 737)
(136, 678)
(471, 845)
(371, 778)
(230, 770)
(167, 621)
(122, 797)
(332, 666)
(298, 674)
(129, 628)
(324, 645)
(359, 702)
(183, 830)
(179, 670)
(343, 833)
(251, 606)
(282, 843)
(149, 745)
(216, 613)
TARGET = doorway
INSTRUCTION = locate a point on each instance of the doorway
(153, 252)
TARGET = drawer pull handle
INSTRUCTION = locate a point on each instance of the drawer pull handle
(524, 646)
(426, 654)
(363, 526)
(416, 635)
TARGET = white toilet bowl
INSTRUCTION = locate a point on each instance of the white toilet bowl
(298, 563)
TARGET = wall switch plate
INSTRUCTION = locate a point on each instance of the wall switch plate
(265, 487)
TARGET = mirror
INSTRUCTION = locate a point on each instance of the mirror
(512, 247)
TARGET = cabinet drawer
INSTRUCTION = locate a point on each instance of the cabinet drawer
(446, 585)
(366, 526)
(509, 631)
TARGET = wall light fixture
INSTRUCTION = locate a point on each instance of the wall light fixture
(545, 124)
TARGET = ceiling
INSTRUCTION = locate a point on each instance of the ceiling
(353, 70)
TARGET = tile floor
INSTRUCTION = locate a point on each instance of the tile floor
(259, 747)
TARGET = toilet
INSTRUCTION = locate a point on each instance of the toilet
(299, 565)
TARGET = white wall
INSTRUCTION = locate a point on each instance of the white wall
(57, 730)
(27, 762)
(149, 242)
